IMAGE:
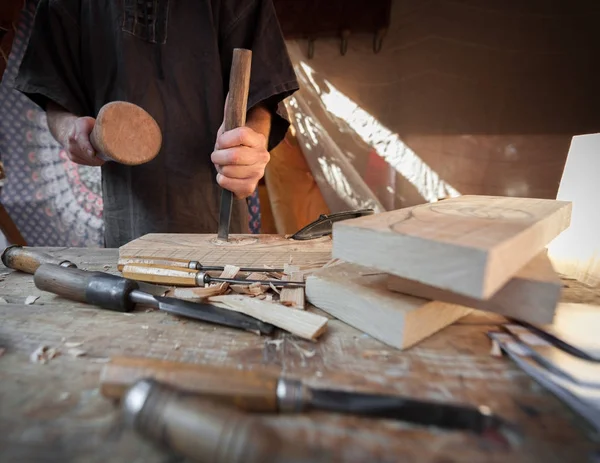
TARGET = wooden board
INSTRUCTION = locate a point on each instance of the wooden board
(471, 245)
(359, 297)
(242, 250)
(532, 295)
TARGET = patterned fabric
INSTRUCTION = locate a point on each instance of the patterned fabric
(53, 201)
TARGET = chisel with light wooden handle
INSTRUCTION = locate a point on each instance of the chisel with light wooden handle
(206, 431)
(178, 276)
(186, 263)
(265, 391)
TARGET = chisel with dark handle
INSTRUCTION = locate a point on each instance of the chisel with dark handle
(116, 293)
(178, 276)
(27, 259)
(205, 431)
(235, 116)
(263, 391)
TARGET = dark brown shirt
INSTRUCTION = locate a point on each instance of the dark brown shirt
(171, 57)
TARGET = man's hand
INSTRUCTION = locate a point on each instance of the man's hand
(240, 157)
(73, 133)
(78, 146)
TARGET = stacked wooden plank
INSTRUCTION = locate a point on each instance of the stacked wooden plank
(403, 275)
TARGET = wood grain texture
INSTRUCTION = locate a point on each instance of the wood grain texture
(359, 296)
(126, 133)
(471, 245)
(304, 324)
(55, 411)
(531, 295)
(241, 250)
(26, 260)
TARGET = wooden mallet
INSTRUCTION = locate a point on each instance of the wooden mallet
(125, 133)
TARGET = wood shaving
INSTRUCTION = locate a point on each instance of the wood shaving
(145, 327)
(106, 267)
(31, 299)
(496, 351)
(43, 354)
(73, 344)
(177, 346)
(76, 352)
(274, 288)
(3, 301)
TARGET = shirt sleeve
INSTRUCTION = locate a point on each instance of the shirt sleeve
(253, 25)
(51, 69)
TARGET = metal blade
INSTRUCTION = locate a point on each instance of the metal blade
(212, 314)
(225, 214)
(459, 417)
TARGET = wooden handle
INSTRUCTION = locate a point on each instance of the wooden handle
(102, 289)
(203, 430)
(126, 133)
(161, 274)
(28, 260)
(239, 87)
(248, 390)
(161, 261)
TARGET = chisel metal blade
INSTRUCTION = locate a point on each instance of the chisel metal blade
(225, 214)
(457, 417)
(205, 312)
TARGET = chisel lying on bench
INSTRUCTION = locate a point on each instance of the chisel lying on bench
(261, 392)
(178, 276)
(116, 293)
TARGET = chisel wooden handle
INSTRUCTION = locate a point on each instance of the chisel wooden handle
(204, 431)
(248, 390)
(98, 288)
(161, 261)
(26, 259)
(161, 274)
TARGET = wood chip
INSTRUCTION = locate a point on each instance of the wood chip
(293, 297)
(302, 323)
(43, 354)
(31, 299)
(274, 288)
(76, 352)
(254, 289)
(3, 301)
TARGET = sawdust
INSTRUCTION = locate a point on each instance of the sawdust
(234, 241)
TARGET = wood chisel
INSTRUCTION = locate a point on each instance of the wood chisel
(27, 260)
(185, 263)
(116, 293)
(267, 392)
(201, 430)
(178, 276)
(235, 116)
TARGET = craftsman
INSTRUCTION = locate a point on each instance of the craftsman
(172, 58)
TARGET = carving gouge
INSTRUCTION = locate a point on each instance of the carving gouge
(178, 276)
(235, 116)
(268, 392)
(184, 263)
(116, 293)
(204, 431)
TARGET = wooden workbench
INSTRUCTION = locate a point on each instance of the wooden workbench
(54, 412)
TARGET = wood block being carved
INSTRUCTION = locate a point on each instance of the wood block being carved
(471, 245)
(359, 297)
(532, 295)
